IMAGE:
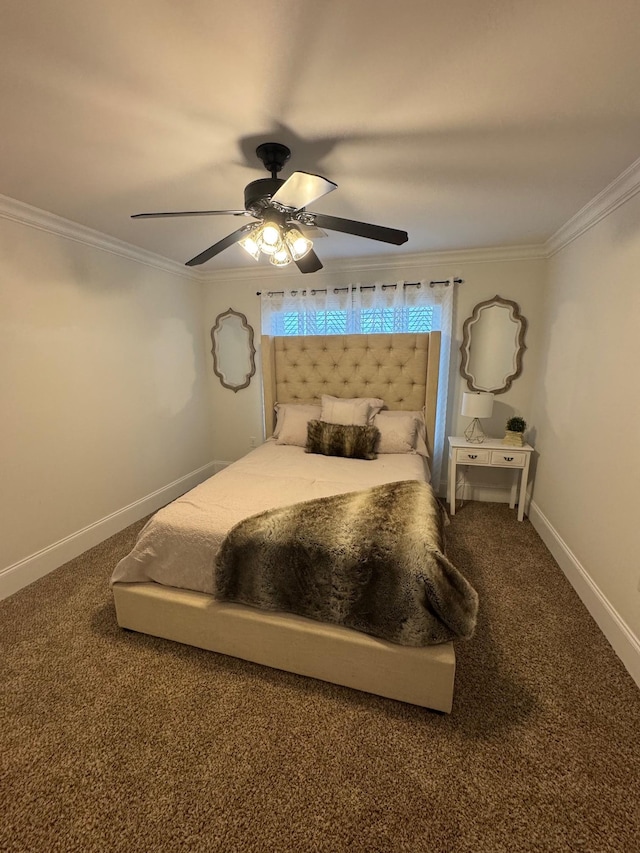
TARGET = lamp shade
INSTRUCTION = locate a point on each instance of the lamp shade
(477, 405)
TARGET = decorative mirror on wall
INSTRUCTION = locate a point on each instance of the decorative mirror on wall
(493, 345)
(234, 361)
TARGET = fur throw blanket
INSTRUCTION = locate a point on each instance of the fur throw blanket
(370, 560)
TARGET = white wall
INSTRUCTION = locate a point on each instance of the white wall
(588, 416)
(522, 282)
(103, 392)
(238, 416)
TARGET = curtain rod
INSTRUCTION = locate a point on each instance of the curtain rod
(445, 281)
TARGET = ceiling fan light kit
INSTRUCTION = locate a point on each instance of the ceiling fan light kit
(250, 244)
(280, 208)
(298, 244)
(282, 243)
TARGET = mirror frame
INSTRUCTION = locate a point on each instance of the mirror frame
(465, 347)
(252, 350)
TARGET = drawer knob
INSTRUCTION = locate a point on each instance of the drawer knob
(508, 458)
(473, 455)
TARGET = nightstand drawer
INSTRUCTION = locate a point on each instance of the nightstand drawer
(473, 456)
(508, 458)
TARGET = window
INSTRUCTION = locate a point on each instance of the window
(367, 321)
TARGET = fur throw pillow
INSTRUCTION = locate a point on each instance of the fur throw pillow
(355, 442)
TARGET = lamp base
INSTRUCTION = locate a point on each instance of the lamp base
(474, 432)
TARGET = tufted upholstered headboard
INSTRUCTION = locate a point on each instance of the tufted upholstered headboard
(402, 369)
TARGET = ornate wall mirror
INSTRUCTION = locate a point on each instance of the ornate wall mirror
(233, 351)
(493, 345)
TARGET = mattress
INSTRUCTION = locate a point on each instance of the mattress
(178, 545)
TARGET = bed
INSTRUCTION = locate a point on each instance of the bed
(165, 586)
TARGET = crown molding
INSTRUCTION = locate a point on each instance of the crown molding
(395, 262)
(624, 187)
(25, 214)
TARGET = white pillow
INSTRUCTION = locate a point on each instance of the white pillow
(401, 432)
(293, 429)
(312, 412)
(356, 411)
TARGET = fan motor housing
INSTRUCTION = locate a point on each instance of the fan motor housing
(258, 192)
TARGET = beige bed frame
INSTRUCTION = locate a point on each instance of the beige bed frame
(403, 371)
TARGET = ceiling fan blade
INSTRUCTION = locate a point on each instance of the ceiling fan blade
(360, 229)
(191, 213)
(309, 263)
(220, 246)
(301, 189)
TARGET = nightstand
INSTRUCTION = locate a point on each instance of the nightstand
(492, 453)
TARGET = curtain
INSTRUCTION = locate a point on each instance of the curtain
(372, 309)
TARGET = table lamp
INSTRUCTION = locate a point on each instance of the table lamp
(476, 405)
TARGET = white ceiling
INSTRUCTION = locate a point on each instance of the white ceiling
(471, 123)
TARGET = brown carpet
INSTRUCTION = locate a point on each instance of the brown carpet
(114, 741)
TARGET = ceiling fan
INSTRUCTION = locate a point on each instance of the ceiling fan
(284, 226)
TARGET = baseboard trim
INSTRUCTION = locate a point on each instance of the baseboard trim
(622, 639)
(487, 494)
(30, 569)
(477, 492)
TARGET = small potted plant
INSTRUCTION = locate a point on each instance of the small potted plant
(515, 431)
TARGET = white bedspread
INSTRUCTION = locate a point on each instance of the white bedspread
(178, 544)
